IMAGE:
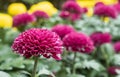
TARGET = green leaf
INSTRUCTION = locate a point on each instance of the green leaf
(10, 36)
(75, 75)
(18, 63)
(10, 63)
(17, 74)
(6, 53)
(116, 59)
(108, 51)
(54, 66)
(45, 72)
(4, 74)
(89, 64)
(5, 66)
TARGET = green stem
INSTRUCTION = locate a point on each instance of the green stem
(73, 64)
(105, 56)
(35, 67)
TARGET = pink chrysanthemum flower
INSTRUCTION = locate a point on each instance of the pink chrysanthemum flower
(99, 3)
(85, 10)
(107, 11)
(35, 42)
(78, 42)
(112, 70)
(71, 10)
(40, 14)
(117, 47)
(62, 29)
(117, 7)
(67, 15)
(23, 19)
(71, 0)
(64, 14)
(100, 38)
(72, 7)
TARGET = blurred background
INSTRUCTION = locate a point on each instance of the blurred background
(57, 3)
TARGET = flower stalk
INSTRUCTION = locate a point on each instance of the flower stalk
(73, 64)
(35, 67)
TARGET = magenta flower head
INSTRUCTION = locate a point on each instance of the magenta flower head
(107, 11)
(112, 70)
(117, 47)
(23, 19)
(67, 15)
(78, 42)
(71, 0)
(72, 10)
(64, 14)
(40, 14)
(99, 4)
(35, 42)
(72, 7)
(62, 29)
(85, 10)
(100, 38)
(117, 7)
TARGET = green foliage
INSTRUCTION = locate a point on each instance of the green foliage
(45, 72)
(4, 74)
(89, 64)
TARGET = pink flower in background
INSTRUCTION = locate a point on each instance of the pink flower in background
(40, 14)
(111, 12)
(105, 11)
(112, 70)
(99, 4)
(71, 10)
(67, 15)
(100, 38)
(62, 29)
(78, 42)
(71, 0)
(23, 19)
(85, 10)
(64, 14)
(117, 47)
(35, 42)
(117, 7)
(72, 7)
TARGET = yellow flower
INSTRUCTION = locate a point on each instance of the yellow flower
(46, 3)
(108, 2)
(45, 6)
(16, 8)
(106, 20)
(5, 20)
(90, 12)
(86, 3)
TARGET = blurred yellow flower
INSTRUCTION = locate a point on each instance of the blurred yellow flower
(86, 3)
(46, 3)
(16, 8)
(44, 6)
(5, 20)
(106, 19)
(108, 2)
(90, 12)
